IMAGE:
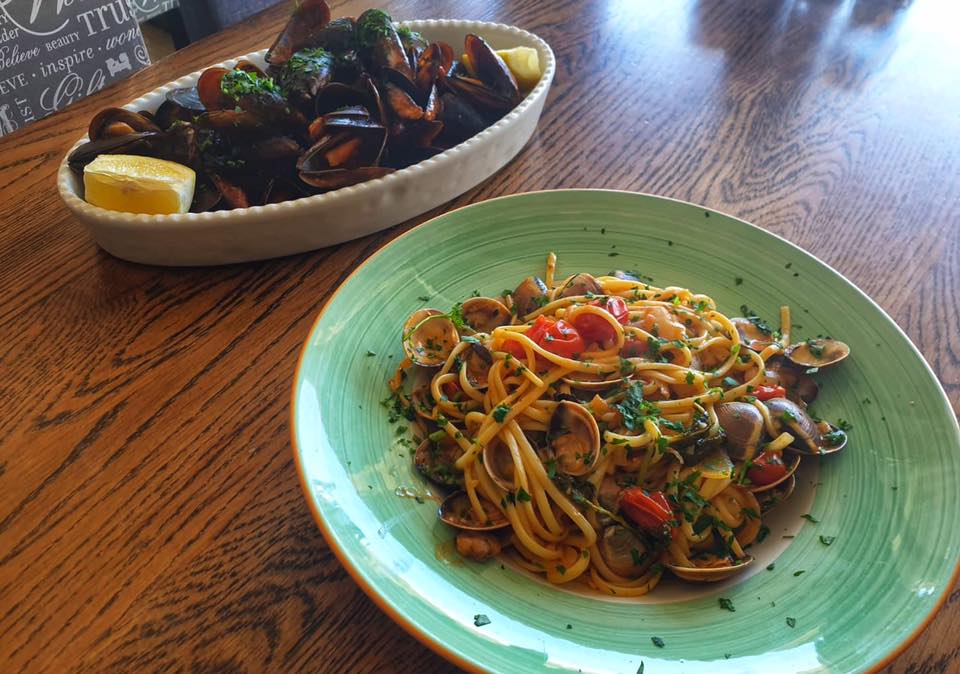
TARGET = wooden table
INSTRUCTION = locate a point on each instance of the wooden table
(150, 515)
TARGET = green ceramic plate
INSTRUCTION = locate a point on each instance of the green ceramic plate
(890, 498)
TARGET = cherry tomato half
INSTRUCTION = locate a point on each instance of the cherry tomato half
(555, 336)
(767, 392)
(594, 328)
(766, 469)
(648, 510)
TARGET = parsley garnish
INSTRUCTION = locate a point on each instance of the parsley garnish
(522, 495)
(726, 604)
(551, 465)
(500, 412)
(657, 641)
(424, 298)
(763, 533)
(771, 566)
(640, 668)
(637, 557)
(844, 425)
(828, 540)
(626, 367)
(371, 353)
(480, 620)
(634, 409)
(810, 518)
(791, 622)
(690, 377)
(738, 281)
(797, 573)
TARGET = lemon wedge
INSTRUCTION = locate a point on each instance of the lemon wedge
(121, 182)
(524, 63)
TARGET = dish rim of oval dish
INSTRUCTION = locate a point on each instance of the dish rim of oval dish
(429, 640)
(76, 203)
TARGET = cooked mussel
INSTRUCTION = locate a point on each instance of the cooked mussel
(817, 352)
(492, 70)
(111, 122)
(428, 337)
(457, 511)
(303, 76)
(574, 438)
(302, 30)
(377, 34)
(485, 314)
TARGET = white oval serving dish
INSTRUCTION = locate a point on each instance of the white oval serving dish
(273, 230)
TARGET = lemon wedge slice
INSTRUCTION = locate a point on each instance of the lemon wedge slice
(121, 182)
(524, 63)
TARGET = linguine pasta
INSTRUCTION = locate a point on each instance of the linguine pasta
(605, 430)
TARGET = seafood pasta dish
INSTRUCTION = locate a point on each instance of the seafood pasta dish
(606, 431)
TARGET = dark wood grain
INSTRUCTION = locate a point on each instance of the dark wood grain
(150, 516)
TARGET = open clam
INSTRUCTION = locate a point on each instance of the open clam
(714, 570)
(498, 462)
(428, 337)
(485, 314)
(814, 438)
(624, 552)
(574, 438)
(791, 469)
(817, 352)
(798, 384)
(457, 511)
(435, 460)
(754, 333)
(780, 493)
(743, 425)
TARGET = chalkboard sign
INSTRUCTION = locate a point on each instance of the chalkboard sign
(54, 52)
(147, 9)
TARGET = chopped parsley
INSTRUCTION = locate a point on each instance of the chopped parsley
(551, 465)
(810, 518)
(371, 353)
(797, 573)
(480, 620)
(626, 366)
(636, 556)
(657, 641)
(500, 412)
(640, 668)
(738, 281)
(827, 540)
(763, 533)
(726, 604)
(791, 622)
(771, 566)
(522, 495)
(239, 83)
(844, 425)
(424, 298)
(634, 409)
(690, 377)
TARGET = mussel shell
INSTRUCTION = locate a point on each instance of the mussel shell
(491, 68)
(461, 120)
(709, 574)
(303, 29)
(180, 105)
(143, 143)
(334, 179)
(117, 122)
(457, 511)
(817, 352)
(478, 94)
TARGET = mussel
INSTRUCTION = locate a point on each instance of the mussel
(428, 337)
(302, 30)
